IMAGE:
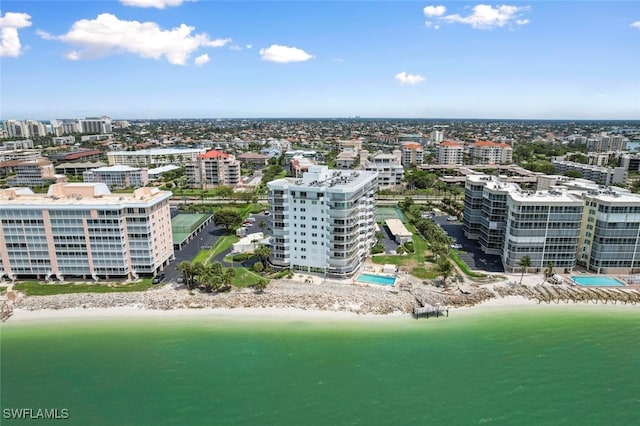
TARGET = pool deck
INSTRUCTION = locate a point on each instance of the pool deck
(628, 281)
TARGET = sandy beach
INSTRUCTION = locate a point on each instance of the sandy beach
(492, 306)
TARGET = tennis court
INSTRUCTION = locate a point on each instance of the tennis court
(183, 225)
(384, 213)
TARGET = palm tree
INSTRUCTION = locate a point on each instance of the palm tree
(525, 263)
(549, 271)
(186, 268)
(262, 224)
(445, 268)
(263, 252)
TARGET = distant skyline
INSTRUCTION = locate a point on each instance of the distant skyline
(222, 59)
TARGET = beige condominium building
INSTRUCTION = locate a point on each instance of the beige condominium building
(154, 157)
(213, 168)
(82, 230)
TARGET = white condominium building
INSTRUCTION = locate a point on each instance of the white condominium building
(602, 175)
(117, 176)
(82, 230)
(324, 222)
(154, 157)
(610, 241)
(450, 152)
(412, 154)
(212, 169)
(15, 128)
(487, 152)
(387, 166)
(571, 221)
(606, 142)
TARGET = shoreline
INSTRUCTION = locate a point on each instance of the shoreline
(503, 305)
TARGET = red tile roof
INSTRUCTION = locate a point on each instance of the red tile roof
(450, 143)
(82, 154)
(214, 153)
(412, 146)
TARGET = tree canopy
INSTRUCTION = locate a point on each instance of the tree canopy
(227, 218)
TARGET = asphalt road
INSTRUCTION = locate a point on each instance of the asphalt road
(204, 240)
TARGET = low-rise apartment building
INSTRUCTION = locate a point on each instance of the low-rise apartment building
(118, 177)
(412, 154)
(154, 157)
(602, 175)
(387, 166)
(488, 152)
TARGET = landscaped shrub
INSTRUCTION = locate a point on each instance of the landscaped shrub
(378, 248)
(408, 246)
(258, 267)
(241, 257)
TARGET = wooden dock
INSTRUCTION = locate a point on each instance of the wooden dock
(430, 310)
(427, 309)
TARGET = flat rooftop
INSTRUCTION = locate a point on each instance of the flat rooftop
(183, 224)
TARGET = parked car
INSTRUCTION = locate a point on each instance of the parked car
(180, 279)
(158, 279)
(456, 246)
(452, 218)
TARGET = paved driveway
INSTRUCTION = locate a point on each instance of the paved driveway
(206, 238)
(471, 254)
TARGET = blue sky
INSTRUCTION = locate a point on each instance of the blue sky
(544, 59)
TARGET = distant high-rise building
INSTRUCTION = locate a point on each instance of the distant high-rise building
(606, 142)
(437, 136)
(450, 152)
(412, 153)
(487, 152)
(95, 125)
(35, 128)
(15, 129)
(213, 168)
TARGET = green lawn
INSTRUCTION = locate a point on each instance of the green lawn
(220, 246)
(3, 290)
(34, 288)
(245, 278)
(424, 273)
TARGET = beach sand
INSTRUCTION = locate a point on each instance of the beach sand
(492, 306)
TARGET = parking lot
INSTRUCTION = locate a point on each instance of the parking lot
(470, 253)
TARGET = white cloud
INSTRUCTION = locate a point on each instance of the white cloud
(249, 46)
(9, 25)
(201, 60)
(433, 25)
(45, 35)
(73, 55)
(284, 54)
(636, 25)
(107, 34)
(485, 17)
(405, 78)
(235, 47)
(431, 11)
(158, 4)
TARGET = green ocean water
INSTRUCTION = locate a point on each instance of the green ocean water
(531, 367)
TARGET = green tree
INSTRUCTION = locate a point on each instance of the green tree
(525, 263)
(187, 271)
(262, 225)
(258, 267)
(548, 272)
(261, 285)
(445, 268)
(228, 218)
(263, 252)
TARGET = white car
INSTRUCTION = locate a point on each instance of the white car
(452, 218)
(456, 246)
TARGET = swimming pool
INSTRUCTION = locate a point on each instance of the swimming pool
(376, 279)
(597, 281)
